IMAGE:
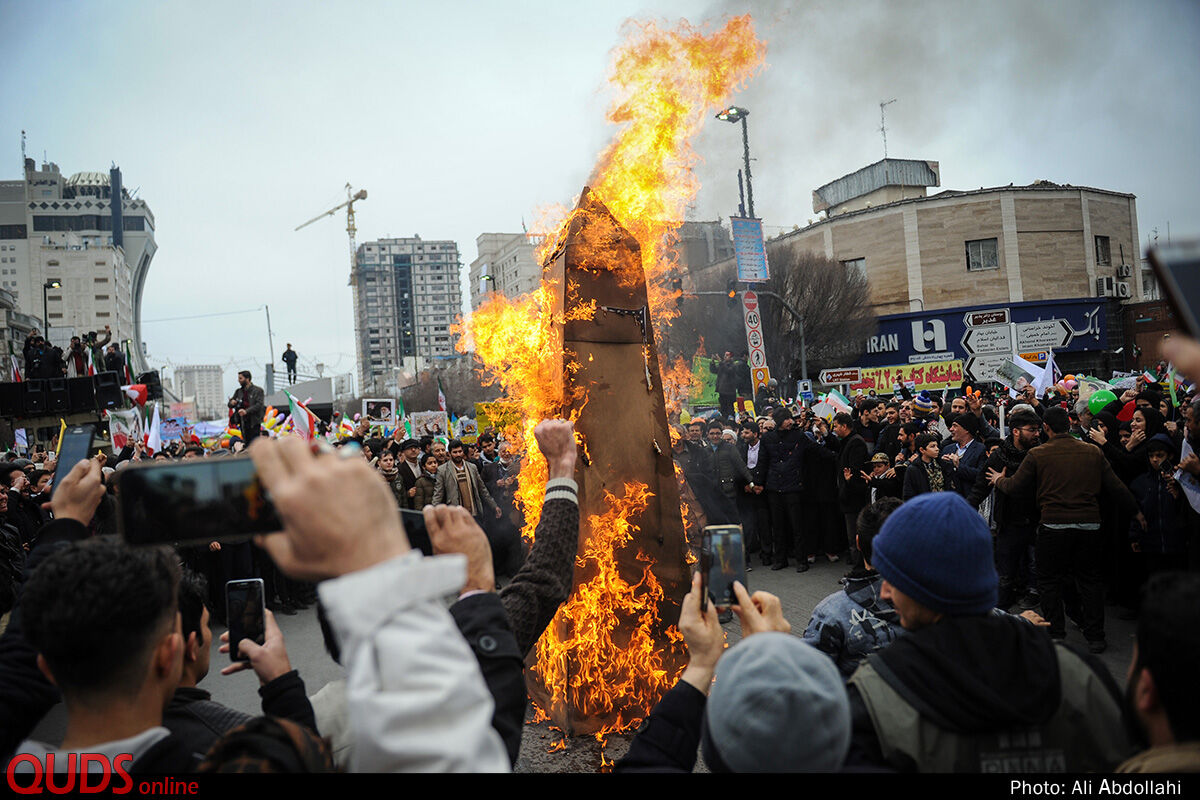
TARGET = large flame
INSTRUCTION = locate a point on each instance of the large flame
(667, 83)
(593, 618)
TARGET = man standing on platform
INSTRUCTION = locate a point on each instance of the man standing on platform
(249, 405)
(289, 358)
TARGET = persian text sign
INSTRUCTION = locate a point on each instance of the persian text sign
(748, 249)
(938, 375)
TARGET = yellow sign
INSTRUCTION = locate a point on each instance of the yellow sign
(761, 376)
(934, 375)
(1035, 358)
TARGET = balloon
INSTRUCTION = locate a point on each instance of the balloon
(1068, 377)
(1070, 383)
(1099, 400)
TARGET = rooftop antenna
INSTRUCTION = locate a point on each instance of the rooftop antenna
(22, 152)
(883, 123)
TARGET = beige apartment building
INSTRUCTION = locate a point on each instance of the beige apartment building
(505, 264)
(1005, 244)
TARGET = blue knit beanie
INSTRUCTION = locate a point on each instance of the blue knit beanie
(937, 550)
(922, 404)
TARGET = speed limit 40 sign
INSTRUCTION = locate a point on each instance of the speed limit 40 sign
(752, 314)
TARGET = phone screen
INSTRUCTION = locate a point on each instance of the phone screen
(722, 561)
(247, 610)
(415, 530)
(76, 446)
(1177, 268)
(201, 500)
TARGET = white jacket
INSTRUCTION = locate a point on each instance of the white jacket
(416, 699)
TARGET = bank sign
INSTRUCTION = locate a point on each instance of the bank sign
(975, 334)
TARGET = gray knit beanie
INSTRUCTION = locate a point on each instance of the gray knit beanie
(777, 705)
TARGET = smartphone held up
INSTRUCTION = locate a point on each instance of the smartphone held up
(722, 561)
(201, 500)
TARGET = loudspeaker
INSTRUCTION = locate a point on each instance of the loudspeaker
(153, 384)
(108, 391)
(81, 393)
(35, 396)
(11, 404)
(57, 400)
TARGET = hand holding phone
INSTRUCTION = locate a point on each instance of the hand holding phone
(722, 561)
(268, 660)
(246, 608)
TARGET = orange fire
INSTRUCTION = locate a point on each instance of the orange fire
(667, 83)
(592, 620)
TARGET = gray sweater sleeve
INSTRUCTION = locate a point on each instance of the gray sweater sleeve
(544, 581)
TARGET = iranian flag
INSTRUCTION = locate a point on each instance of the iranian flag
(136, 392)
(304, 422)
(441, 397)
(838, 401)
(14, 371)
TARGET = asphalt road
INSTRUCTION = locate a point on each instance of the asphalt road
(799, 593)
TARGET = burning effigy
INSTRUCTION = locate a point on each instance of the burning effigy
(583, 346)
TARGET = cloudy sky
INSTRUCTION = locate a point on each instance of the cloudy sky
(238, 121)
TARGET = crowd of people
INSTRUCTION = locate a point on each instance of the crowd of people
(972, 530)
(1083, 506)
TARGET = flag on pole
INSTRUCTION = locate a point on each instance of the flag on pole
(441, 396)
(837, 400)
(304, 422)
(136, 392)
(1171, 378)
(14, 365)
(1042, 383)
(128, 360)
(154, 437)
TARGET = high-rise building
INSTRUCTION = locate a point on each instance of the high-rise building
(202, 385)
(407, 296)
(89, 236)
(505, 264)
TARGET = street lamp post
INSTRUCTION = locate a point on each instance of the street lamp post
(736, 114)
(46, 287)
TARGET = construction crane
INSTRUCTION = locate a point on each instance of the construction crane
(352, 197)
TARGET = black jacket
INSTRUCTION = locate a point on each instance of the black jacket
(193, 716)
(785, 456)
(483, 622)
(852, 494)
(759, 471)
(1008, 509)
(670, 736)
(916, 479)
(821, 471)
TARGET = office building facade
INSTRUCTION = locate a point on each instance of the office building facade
(89, 236)
(202, 385)
(505, 265)
(407, 296)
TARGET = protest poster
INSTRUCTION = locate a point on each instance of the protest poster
(429, 423)
(124, 428)
(466, 429)
(1016, 373)
(379, 412)
(499, 417)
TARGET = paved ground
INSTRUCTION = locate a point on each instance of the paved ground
(799, 593)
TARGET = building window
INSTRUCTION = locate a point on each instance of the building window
(856, 265)
(1103, 252)
(982, 254)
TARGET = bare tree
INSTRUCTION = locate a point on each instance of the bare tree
(833, 301)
